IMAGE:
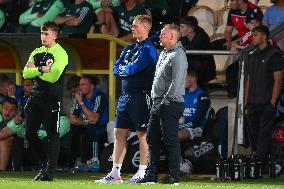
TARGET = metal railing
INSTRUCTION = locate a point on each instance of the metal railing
(209, 52)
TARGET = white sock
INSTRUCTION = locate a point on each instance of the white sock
(142, 170)
(116, 170)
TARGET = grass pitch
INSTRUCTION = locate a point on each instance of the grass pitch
(24, 180)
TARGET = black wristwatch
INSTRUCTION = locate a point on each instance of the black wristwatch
(40, 69)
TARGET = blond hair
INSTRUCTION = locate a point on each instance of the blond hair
(146, 19)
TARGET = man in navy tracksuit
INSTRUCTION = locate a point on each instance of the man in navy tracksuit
(196, 111)
(135, 67)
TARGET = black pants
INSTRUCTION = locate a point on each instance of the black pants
(79, 145)
(164, 123)
(82, 139)
(39, 110)
(260, 120)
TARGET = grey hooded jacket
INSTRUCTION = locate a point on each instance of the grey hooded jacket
(168, 84)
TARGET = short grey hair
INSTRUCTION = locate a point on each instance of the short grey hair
(174, 28)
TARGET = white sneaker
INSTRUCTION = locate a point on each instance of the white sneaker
(137, 177)
(110, 179)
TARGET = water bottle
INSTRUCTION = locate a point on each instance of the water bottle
(271, 167)
(238, 171)
(219, 168)
(252, 167)
(258, 169)
(246, 163)
(242, 167)
(227, 169)
(219, 165)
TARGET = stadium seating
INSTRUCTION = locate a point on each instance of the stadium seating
(264, 3)
(221, 29)
(222, 15)
(223, 61)
(213, 4)
(203, 14)
(208, 27)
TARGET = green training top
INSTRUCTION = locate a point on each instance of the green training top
(84, 12)
(1, 122)
(97, 5)
(126, 17)
(64, 128)
(11, 125)
(48, 8)
(2, 18)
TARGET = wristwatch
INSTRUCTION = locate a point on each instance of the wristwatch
(40, 69)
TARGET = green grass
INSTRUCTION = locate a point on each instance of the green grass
(23, 180)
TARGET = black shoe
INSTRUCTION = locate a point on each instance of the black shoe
(38, 176)
(46, 177)
(146, 180)
(171, 180)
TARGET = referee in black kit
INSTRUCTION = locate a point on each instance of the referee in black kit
(45, 66)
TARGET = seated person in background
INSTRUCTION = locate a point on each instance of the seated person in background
(89, 117)
(125, 14)
(7, 128)
(4, 86)
(40, 12)
(9, 89)
(77, 18)
(159, 11)
(12, 9)
(101, 8)
(197, 108)
(195, 38)
(18, 142)
(252, 20)
(274, 15)
(25, 94)
(237, 19)
(16, 128)
(73, 86)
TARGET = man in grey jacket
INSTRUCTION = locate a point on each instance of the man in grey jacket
(168, 105)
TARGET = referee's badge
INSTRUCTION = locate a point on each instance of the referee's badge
(49, 62)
